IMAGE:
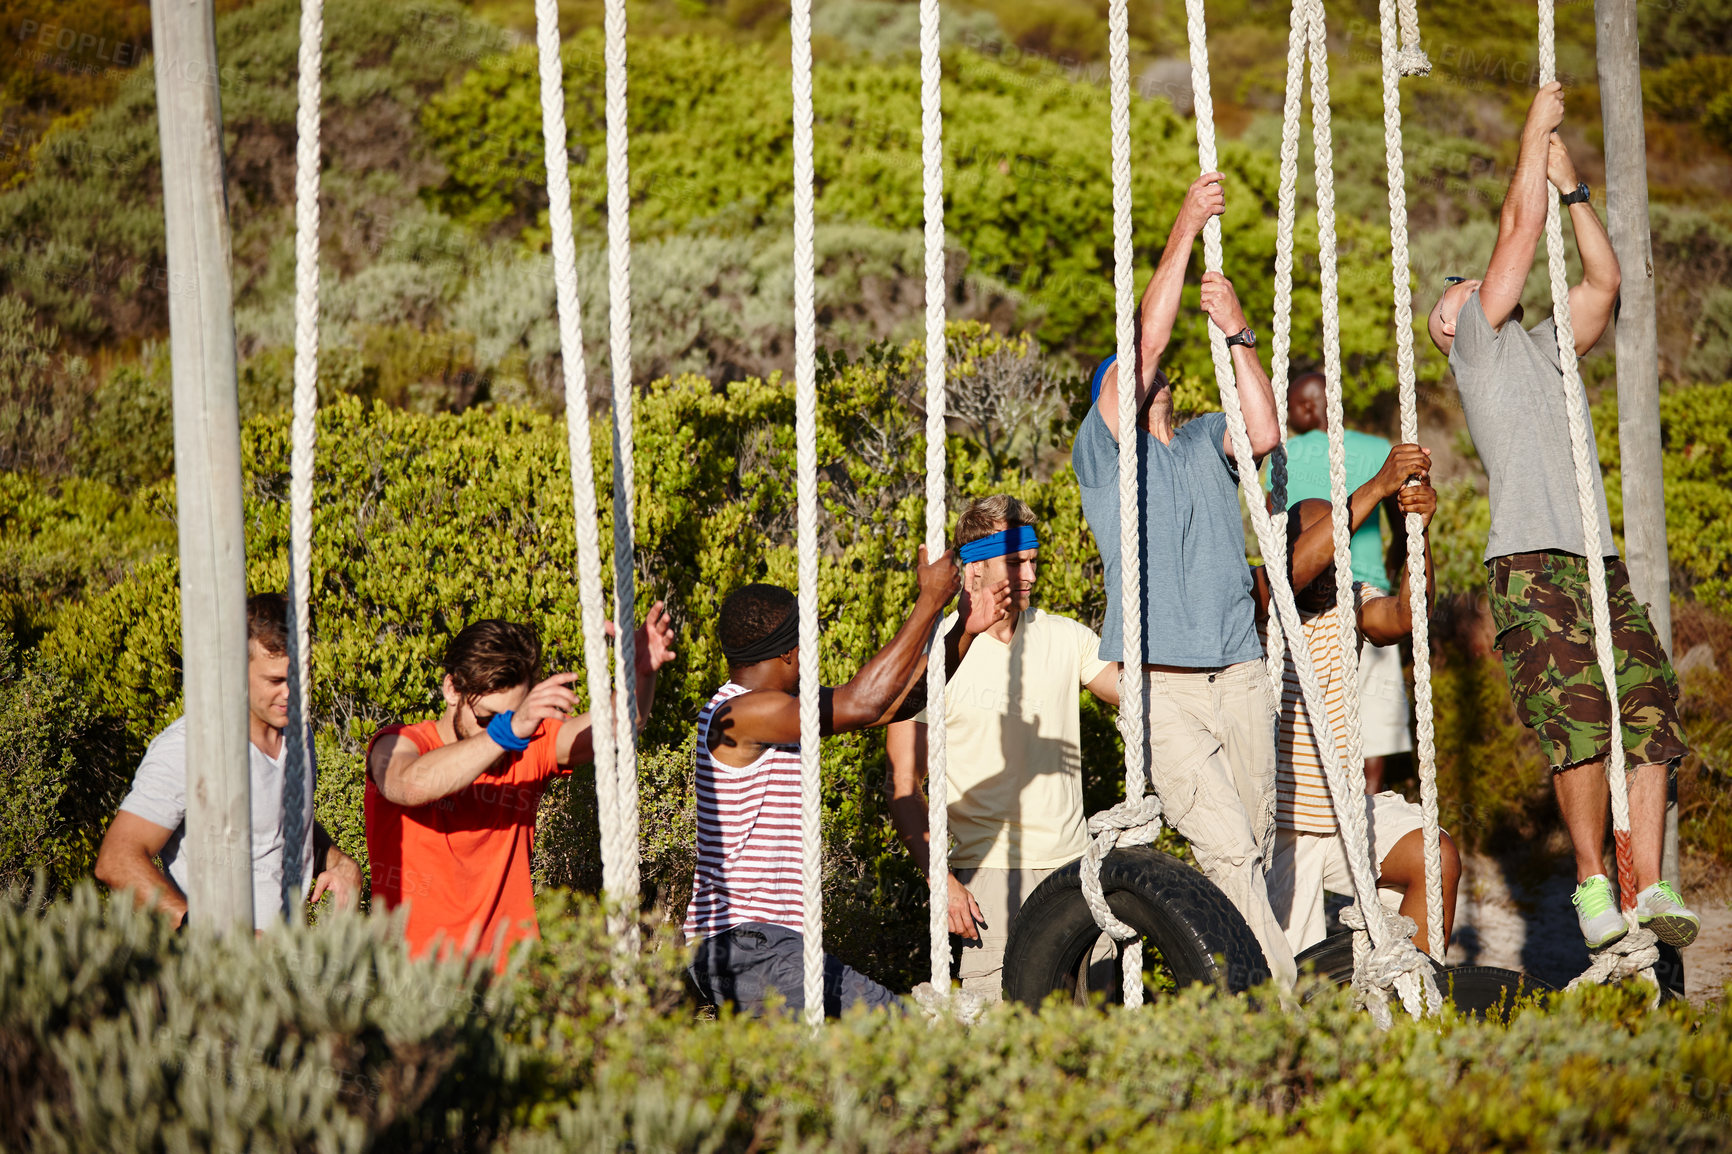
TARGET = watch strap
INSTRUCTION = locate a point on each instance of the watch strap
(1581, 195)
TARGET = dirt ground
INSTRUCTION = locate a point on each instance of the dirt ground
(1517, 914)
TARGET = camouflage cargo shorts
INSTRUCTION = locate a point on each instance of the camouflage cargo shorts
(1544, 619)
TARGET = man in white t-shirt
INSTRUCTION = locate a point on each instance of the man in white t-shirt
(1014, 731)
(152, 819)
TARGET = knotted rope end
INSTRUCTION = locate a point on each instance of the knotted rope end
(1411, 60)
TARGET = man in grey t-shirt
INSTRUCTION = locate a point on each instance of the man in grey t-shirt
(1512, 393)
(1211, 720)
(151, 823)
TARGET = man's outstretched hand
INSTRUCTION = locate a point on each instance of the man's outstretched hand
(939, 579)
(981, 609)
(1403, 462)
(655, 640)
(1205, 198)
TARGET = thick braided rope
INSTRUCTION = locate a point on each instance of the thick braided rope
(1414, 525)
(1632, 956)
(1281, 340)
(806, 463)
(1365, 886)
(1587, 463)
(1411, 59)
(577, 432)
(932, 185)
(624, 831)
(297, 777)
(1135, 821)
(1389, 957)
(1341, 518)
(1133, 721)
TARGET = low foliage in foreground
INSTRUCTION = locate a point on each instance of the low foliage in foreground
(119, 1035)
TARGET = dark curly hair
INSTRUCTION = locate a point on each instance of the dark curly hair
(491, 655)
(751, 613)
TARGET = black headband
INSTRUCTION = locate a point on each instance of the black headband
(773, 644)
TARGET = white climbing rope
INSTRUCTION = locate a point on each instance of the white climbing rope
(806, 515)
(577, 430)
(625, 817)
(1133, 720)
(297, 759)
(1634, 951)
(1390, 954)
(1414, 525)
(1281, 338)
(932, 185)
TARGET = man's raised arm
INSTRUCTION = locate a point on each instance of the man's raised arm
(1592, 300)
(1523, 217)
(771, 717)
(1159, 309)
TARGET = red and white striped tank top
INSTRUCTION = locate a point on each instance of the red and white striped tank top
(748, 837)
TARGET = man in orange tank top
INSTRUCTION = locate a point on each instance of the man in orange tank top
(451, 803)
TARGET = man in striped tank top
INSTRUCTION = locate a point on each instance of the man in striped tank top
(1309, 854)
(747, 904)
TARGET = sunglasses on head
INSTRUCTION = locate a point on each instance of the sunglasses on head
(1453, 279)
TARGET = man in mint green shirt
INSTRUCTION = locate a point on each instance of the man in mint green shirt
(1383, 705)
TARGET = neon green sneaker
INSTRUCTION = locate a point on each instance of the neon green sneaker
(1597, 910)
(1659, 908)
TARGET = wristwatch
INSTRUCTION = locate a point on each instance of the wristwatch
(1246, 336)
(1580, 196)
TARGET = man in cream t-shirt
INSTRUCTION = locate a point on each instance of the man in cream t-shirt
(1014, 732)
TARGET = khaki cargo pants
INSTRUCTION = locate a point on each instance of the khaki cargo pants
(1212, 763)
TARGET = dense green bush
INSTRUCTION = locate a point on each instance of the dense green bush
(117, 1034)
(1027, 175)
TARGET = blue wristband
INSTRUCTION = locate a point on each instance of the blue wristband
(499, 729)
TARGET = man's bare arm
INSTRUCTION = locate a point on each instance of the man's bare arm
(653, 649)
(1591, 300)
(1386, 620)
(1106, 683)
(1314, 550)
(771, 717)
(1256, 394)
(1159, 309)
(1523, 217)
(905, 742)
(125, 863)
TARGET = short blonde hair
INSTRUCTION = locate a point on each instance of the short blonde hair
(985, 516)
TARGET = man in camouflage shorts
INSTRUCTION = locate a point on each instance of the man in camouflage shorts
(1512, 393)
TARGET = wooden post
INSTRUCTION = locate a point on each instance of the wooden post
(1619, 65)
(207, 467)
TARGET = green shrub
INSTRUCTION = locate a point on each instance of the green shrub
(59, 762)
(117, 1033)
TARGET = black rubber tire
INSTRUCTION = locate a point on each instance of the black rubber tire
(1488, 992)
(1190, 930)
(1332, 959)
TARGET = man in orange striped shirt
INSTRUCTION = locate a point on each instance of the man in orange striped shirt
(1309, 852)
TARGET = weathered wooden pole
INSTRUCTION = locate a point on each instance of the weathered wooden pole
(1618, 62)
(207, 466)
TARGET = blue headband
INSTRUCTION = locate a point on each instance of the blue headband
(1016, 539)
(1100, 374)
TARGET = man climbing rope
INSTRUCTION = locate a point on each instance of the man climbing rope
(748, 901)
(1309, 853)
(451, 802)
(1211, 744)
(1014, 732)
(1383, 708)
(1512, 395)
(152, 818)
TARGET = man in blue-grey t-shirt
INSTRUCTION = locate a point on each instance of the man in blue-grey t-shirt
(1383, 711)
(1211, 719)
